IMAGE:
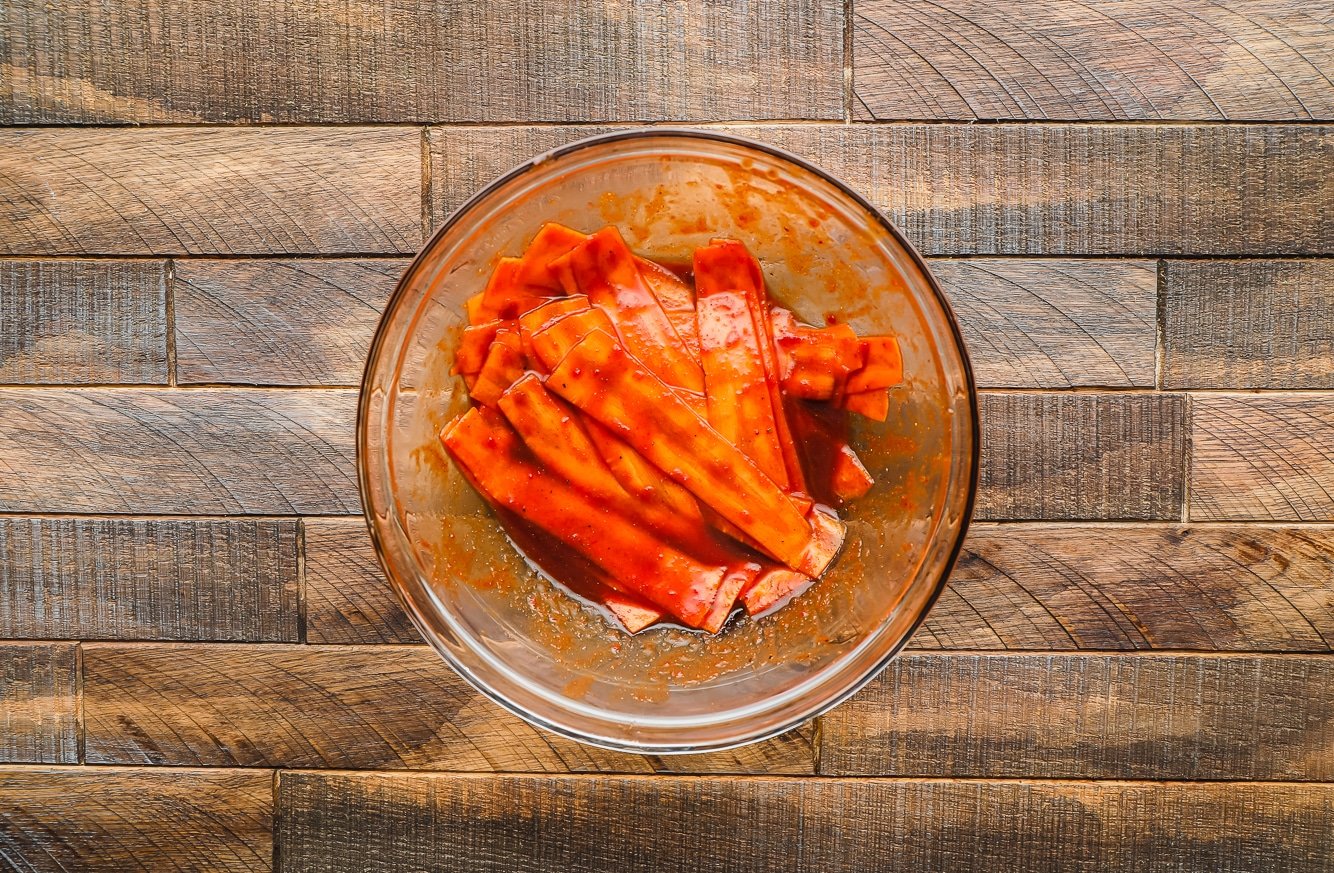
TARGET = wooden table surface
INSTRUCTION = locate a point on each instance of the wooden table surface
(205, 203)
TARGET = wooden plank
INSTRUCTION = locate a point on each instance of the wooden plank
(1262, 456)
(176, 451)
(1062, 59)
(38, 702)
(83, 321)
(196, 191)
(261, 322)
(1015, 587)
(1055, 324)
(347, 61)
(340, 707)
(1248, 324)
(1098, 587)
(1026, 189)
(1089, 717)
(416, 822)
(348, 600)
(149, 579)
(119, 819)
(1082, 456)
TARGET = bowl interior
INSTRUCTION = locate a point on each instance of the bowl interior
(556, 662)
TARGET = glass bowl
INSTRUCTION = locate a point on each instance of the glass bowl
(555, 662)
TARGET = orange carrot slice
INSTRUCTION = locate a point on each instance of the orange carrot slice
(504, 364)
(773, 589)
(677, 300)
(814, 362)
(551, 242)
(505, 296)
(883, 367)
(539, 317)
(736, 391)
(727, 265)
(849, 477)
(605, 269)
(474, 344)
(872, 404)
(603, 380)
(638, 476)
(490, 454)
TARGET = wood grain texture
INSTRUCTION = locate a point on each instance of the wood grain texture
(1089, 717)
(115, 819)
(420, 60)
(386, 823)
(1025, 189)
(1248, 324)
(1100, 587)
(340, 707)
(1055, 324)
(196, 191)
(38, 703)
(1082, 456)
(148, 579)
(83, 321)
(1262, 456)
(1063, 59)
(176, 451)
(306, 322)
(348, 600)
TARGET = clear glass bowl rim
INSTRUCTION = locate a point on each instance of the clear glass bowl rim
(402, 288)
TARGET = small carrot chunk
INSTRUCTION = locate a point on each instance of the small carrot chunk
(849, 478)
(815, 362)
(504, 364)
(551, 242)
(773, 589)
(883, 367)
(872, 404)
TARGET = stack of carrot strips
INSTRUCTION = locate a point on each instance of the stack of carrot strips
(663, 450)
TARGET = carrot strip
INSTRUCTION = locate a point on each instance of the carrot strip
(677, 300)
(474, 344)
(490, 453)
(504, 296)
(872, 404)
(737, 581)
(883, 367)
(638, 476)
(551, 242)
(603, 380)
(772, 589)
(814, 363)
(736, 390)
(555, 339)
(474, 308)
(504, 364)
(727, 265)
(849, 478)
(604, 268)
(826, 541)
(539, 317)
(568, 569)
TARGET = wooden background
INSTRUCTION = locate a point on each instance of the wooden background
(205, 203)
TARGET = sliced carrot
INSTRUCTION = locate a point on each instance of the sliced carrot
(814, 362)
(603, 380)
(493, 459)
(774, 588)
(677, 300)
(556, 338)
(539, 317)
(736, 390)
(638, 476)
(504, 364)
(826, 542)
(562, 272)
(474, 344)
(883, 367)
(872, 404)
(551, 242)
(727, 265)
(553, 341)
(505, 296)
(474, 307)
(605, 269)
(849, 477)
(570, 570)
(737, 581)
